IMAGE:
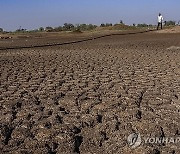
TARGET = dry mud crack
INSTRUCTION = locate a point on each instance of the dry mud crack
(89, 97)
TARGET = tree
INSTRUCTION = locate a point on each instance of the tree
(41, 29)
(84, 27)
(170, 23)
(49, 29)
(108, 24)
(121, 22)
(68, 26)
(102, 25)
(142, 25)
(58, 29)
(1, 30)
(91, 27)
(21, 30)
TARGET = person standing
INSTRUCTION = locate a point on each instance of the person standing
(160, 21)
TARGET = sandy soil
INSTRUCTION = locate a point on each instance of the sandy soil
(171, 30)
(89, 97)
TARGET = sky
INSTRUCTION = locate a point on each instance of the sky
(32, 14)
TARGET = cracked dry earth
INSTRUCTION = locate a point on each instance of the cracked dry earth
(89, 97)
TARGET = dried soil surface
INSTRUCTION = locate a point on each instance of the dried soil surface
(175, 29)
(89, 97)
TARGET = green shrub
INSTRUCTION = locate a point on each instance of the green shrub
(41, 29)
(49, 29)
(170, 23)
(68, 27)
(1, 30)
(142, 25)
(85, 27)
(77, 31)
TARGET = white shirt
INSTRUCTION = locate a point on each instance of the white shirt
(160, 19)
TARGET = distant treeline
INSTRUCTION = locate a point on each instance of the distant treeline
(70, 27)
(89, 27)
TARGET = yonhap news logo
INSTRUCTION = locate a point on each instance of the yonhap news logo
(135, 140)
